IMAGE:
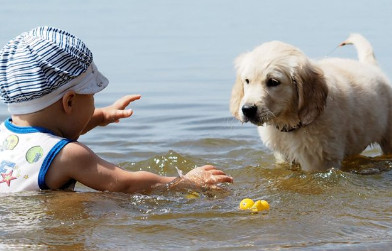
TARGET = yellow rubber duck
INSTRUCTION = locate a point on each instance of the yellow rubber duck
(260, 205)
(246, 204)
(249, 204)
(192, 195)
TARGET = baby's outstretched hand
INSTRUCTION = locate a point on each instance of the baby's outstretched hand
(111, 114)
(207, 177)
(117, 111)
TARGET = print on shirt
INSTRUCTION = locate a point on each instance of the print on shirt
(7, 177)
(10, 142)
(34, 154)
(7, 166)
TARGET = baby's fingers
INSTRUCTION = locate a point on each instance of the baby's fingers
(124, 101)
(217, 172)
(120, 114)
(221, 179)
(208, 167)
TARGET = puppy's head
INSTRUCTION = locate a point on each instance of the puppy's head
(277, 84)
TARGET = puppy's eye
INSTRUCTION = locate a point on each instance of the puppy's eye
(247, 81)
(273, 82)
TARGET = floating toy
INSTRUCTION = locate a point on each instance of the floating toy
(249, 204)
(260, 205)
(192, 195)
(246, 204)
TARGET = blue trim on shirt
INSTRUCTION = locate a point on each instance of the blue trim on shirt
(48, 161)
(24, 129)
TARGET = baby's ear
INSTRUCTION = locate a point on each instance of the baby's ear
(68, 100)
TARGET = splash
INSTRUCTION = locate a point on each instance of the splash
(180, 173)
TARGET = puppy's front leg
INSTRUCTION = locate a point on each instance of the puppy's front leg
(280, 158)
(314, 164)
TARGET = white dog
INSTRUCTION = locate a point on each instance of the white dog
(314, 113)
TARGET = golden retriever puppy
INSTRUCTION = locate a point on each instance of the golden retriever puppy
(313, 113)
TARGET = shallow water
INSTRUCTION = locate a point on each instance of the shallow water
(178, 55)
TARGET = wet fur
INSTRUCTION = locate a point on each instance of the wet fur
(344, 105)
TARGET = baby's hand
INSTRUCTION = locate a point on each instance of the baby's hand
(115, 112)
(207, 177)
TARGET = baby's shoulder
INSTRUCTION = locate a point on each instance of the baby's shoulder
(76, 151)
(73, 159)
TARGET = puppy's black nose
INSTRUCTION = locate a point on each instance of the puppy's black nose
(249, 110)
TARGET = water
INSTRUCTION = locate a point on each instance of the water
(179, 56)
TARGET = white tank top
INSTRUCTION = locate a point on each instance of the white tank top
(26, 154)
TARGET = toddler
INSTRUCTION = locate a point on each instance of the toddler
(48, 80)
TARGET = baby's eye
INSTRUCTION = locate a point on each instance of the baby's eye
(247, 81)
(273, 82)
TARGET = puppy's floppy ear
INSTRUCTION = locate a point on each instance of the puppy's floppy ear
(236, 96)
(312, 92)
(238, 89)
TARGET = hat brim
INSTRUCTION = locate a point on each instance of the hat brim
(89, 82)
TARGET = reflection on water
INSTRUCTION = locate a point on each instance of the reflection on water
(179, 56)
(367, 165)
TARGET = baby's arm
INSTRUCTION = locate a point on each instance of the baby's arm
(77, 162)
(111, 114)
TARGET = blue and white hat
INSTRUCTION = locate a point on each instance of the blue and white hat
(39, 66)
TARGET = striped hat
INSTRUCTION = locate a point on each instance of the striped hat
(39, 66)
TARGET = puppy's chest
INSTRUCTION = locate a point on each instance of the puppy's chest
(295, 141)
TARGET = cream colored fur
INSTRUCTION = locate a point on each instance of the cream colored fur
(343, 105)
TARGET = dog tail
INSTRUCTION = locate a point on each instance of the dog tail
(363, 47)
